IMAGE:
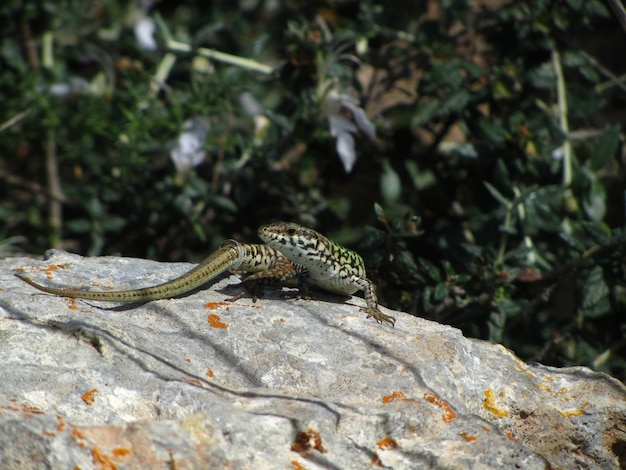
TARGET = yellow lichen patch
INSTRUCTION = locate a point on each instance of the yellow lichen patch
(547, 388)
(574, 412)
(490, 405)
(524, 371)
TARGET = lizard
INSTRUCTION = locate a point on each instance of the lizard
(292, 256)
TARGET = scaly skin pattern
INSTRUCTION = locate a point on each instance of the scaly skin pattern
(328, 265)
(231, 255)
(293, 256)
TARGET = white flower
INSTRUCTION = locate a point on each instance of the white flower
(187, 152)
(342, 128)
(558, 153)
(144, 33)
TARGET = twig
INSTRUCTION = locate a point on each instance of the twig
(33, 187)
(163, 71)
(562, 103)
(604, 71)
(54, 183)
(177, 46)
(619, 12)
(30, 46)
(14, 120)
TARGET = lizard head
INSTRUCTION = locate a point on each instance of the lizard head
(290, 236)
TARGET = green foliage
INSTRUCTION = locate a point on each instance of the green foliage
(496, 176)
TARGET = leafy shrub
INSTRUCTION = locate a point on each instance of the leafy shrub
(477, 146)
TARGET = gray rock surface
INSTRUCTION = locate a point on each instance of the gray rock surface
(196, 382)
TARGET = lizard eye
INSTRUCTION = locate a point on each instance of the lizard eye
(291, 231)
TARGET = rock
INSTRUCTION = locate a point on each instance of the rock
(197, 382)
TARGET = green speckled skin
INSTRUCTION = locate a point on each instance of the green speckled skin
(329, 266)
(292, 256)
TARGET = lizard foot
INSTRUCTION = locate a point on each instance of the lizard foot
(296, 296)
(246, 293)
(379, 316)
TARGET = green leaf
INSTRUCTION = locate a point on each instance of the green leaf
(404, 259)
(493, 130)
(497, 195)
(78, 226)
(426, 112)
(595, 8)
(380, 214)
(225, 203)
(543, 209)
(575, 5)
(466, 150)
(572, 241)
(422, 178)
(454, 103)
(448, 268)
(598, 233)
(595, 298)
(431, 269)
(441, 292)
(595, 201)
(113, 223)
(199, 231)
(605, 147)
(390, 184)
(542, 77)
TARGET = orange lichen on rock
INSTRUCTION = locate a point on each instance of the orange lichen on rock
(61, 424)
(387, 443)
(376, 460)
(89, 397)
(395, 396)
(101, 461)
(448, 414)
(31, 410)
(468, 437)
(307, 440)
(121, 452)
(78, 437)
(216, 305)
(216, 322)
(192, 381)
(49, 270)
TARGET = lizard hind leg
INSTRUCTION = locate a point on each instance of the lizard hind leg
(282, 274)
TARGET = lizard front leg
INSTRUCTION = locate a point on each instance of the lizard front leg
(371, 301)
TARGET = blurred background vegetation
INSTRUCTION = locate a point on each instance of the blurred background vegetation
(472, 152)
